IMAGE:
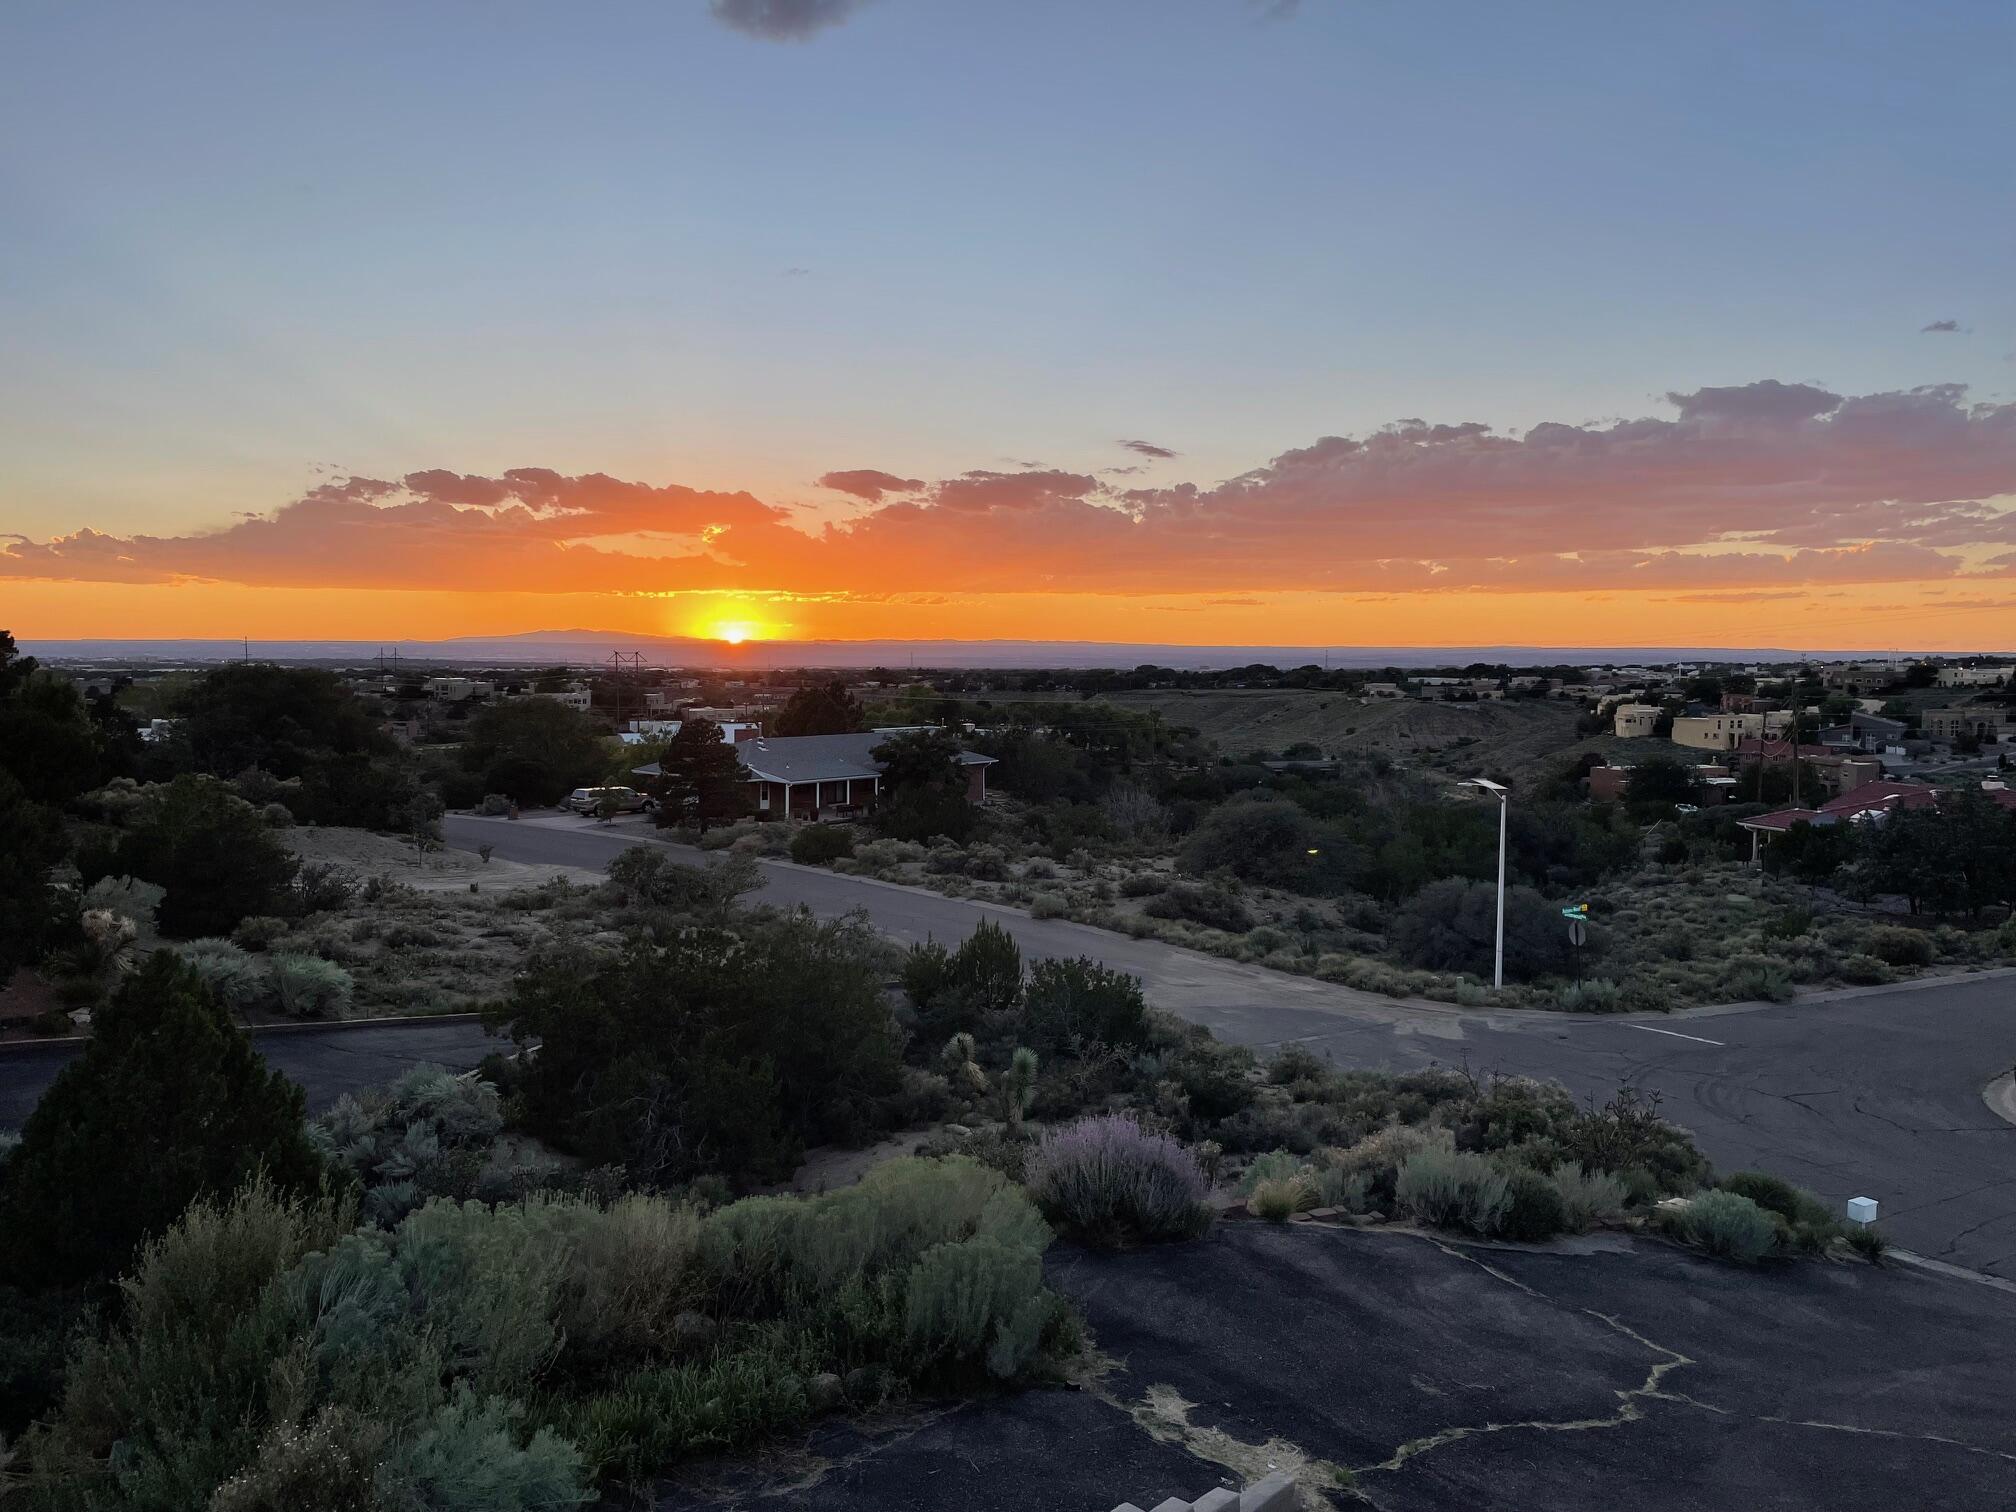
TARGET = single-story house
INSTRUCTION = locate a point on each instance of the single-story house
(1864, 804)
(825, 776)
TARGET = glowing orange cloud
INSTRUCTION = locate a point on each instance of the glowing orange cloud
(1768, 488)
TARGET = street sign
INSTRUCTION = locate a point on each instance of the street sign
(1575, 911)
(1578, 932)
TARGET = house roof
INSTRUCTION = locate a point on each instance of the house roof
(816, 758)
(1879, 796)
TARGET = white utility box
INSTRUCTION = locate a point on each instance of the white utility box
(1861, 1209)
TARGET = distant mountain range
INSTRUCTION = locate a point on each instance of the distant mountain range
(591, 647)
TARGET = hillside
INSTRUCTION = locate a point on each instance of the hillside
(1519, 736)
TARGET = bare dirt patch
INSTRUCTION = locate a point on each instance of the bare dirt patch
(397, 860)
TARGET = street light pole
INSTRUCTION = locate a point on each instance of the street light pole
(1501, 793)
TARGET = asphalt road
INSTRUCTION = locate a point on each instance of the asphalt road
(327, 1060)
(1587, 1376)
(1870, 1093)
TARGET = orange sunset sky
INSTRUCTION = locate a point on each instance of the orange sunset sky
(1162, 321)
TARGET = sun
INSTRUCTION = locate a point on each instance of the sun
(734, 632)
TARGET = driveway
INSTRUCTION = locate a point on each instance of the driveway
(1875, 1092)
(1582, 1377)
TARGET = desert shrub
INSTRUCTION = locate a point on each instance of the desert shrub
(980, 1301)
(1593, 996)
(1517, 1113)
(494, 806)
(129, 898)
(425, 1135)
(1298, 1065)
(1534, 1207)
(1215, 907)
(1280, 1198)
(1626, 1134)
(1863, 970)
(309, 987)
(669, 1412)
(201, 1321)
(647, 875)
(1897, 946)
(1107, 1180)
(1216, 1079)
(820, 844)
(1808, 1222)
(1142, 885)
(468, 1457)
(1588, 1198)
(320, 887)
(1379, 1158)
(1049, 905)
(1451, 1189)
(1082, 1001)
(1749, 978)
(1867, 1242)
(1728, 1226)
(1274, 1165)
(329, 1464)
(238, 980)
(1451, 925)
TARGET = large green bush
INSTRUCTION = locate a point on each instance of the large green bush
(820, 844)
(211, 850)
(1082, 1002)
(707, 1052)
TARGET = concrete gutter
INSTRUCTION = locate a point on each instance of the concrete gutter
(2000, 1095)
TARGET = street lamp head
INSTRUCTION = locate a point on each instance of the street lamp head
(1488, 785)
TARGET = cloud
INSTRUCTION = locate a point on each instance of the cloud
(870, 484)
(783, 20)
(1757, 596)
(1237, 603)
(1149, 449)
(1763, 487)
(1940, 325)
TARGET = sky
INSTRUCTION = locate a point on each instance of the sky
(1195, 321)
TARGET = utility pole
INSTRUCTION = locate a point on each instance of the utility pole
(1501, 792)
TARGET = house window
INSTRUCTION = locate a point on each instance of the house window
(763, 795)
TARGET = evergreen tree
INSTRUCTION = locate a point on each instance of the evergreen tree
(169, 1101)
(702, 779)
(825, 709)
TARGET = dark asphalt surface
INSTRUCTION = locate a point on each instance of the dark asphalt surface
(327, 1061)
(1601, 1374)
(1874, 1093)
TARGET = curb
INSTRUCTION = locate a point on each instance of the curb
(9, 1047)
(2000, 1095)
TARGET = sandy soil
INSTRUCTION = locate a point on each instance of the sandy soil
(387, 856)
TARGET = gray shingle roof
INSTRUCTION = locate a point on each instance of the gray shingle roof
(816, 758)
(822, 758)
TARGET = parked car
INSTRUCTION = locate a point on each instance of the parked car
(590, 800)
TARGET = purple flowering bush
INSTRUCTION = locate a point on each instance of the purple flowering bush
(1106, 1180)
